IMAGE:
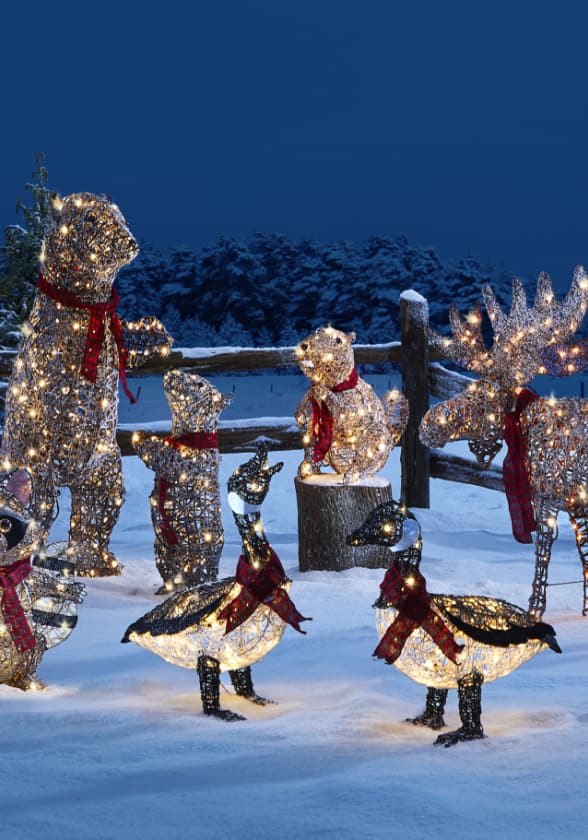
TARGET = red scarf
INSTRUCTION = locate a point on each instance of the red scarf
(414, 610)
(514, 471)
(14, 615)
(261, 587)
(99, 314)
(322, 419)
(192, 440)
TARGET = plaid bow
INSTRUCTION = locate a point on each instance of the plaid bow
(261, 586)
(413, 603)
(322, 419)
(14, 615)
(514, 471)
(99, 314)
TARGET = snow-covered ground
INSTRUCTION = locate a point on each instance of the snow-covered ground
(117, 747)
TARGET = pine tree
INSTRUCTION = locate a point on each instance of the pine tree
(19, 257)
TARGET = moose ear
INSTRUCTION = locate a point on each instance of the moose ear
(20, 485)
(351, 336)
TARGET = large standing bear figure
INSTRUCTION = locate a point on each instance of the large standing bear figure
(62, 399)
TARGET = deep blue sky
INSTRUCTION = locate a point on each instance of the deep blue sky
(463, 125)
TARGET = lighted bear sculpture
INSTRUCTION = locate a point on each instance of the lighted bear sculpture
(38, 602)
(62, 399)
(185, 502)
(344, 423)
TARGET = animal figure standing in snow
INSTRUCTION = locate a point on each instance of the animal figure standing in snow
(546, 468)
(37, 601)
(345, 424)
(62, 399)
(230, 624)
(185, 502)
(443, 641)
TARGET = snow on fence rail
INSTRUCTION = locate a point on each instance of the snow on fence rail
(422, 377)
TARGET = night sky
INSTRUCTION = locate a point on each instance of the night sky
(462, 125)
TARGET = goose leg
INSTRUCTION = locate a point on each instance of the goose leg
(470, 711)
(434, 708)
(243, 685)
(209, 676)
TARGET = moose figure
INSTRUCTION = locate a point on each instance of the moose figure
(546, 467)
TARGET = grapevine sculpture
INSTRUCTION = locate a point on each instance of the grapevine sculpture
(185, 502)
(62, 399)
(38, 596)
(233, 623)
(344, 424)
(443, 641)
(546, 467)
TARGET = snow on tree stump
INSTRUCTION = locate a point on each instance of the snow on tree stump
(328, 511)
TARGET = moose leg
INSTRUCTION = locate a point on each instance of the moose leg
(95, 507)
(209, 676)
(579, 519)
(546, 517)
(243, 685)
(434, 708)
(470, 712)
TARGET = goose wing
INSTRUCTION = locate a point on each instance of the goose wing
(182, 609)
(493, 621)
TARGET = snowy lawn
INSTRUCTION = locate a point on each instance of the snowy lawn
(117, 747)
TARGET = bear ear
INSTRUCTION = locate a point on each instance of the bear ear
(55, 205)
(351, 336)
(20, 485)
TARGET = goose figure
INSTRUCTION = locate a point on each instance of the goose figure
(443, 641)
(230, 624)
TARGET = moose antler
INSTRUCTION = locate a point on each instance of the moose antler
(521, 337)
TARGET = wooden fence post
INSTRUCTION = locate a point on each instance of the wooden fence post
(414, 365)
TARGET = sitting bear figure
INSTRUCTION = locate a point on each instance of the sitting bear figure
(38, 603)
(62, 399)
(185, 502)
(345, 424)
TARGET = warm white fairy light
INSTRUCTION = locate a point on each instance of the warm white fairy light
(185, 502)
(62, 400)
(555, 432)
(47, 596)
(339, 406)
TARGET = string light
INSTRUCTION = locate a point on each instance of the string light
(185, 502)
(39, 595)
(443, 641)
(62, 399)
(551, 435)
(344, 425)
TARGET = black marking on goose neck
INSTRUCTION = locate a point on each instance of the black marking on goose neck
(256, 546)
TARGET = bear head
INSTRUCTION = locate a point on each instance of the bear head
(194, 401)
(86, 242)
(326, 357)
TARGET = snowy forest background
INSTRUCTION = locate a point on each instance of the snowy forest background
(263, 291)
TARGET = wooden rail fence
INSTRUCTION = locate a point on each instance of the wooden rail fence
(422, 375)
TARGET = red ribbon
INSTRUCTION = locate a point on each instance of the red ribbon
(99, 314)
(192, 440)
(414, 610)
(322, 419)
(514, 471)
(262, 586)
(14, 615)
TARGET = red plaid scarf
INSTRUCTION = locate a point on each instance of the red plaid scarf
(14, 615)
(514, 471)
(414, 610)
(322, 419)
(99, 314)
(261, 586)
(192, 440)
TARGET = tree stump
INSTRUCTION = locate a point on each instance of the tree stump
(328, 511)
